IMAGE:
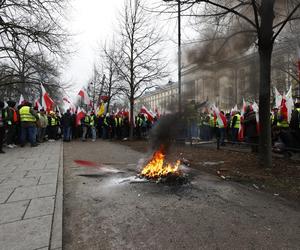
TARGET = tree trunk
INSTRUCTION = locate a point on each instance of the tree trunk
(107, 105)
(265, 154)
(265, 47)
(131, 118)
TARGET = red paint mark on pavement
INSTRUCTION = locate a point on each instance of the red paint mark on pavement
(86, 163)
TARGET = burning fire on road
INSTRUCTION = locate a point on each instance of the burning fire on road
(160, 170)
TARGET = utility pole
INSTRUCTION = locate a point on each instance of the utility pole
(179, 57)
(179, 51)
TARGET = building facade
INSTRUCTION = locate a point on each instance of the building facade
(164, 99)
(226, 83)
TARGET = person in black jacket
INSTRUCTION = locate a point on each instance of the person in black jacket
(250, 131)
(66, 123)
(2, 125)
(12, 121)
(295, 121)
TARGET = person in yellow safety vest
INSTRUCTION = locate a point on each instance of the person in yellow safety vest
(28, 118)
(85, 122)
(52, 126)
(106, 126)
(138, 124)
(235, 125)
(93, 121)
(282, 123)
(118, 124)
(204, 126)
(212, 125)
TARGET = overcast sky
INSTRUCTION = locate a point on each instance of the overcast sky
(93, 22)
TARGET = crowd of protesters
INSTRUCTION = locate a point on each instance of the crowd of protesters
(245, 127)
(22, 124)
(111, 126)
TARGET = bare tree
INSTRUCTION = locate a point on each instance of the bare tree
(262, 22)
(112, 87)
(38, 20)
(31, 44)
(26, 68)
(140, 63)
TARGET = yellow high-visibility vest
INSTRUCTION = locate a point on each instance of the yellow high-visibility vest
(238, 121)
(53, 121)
(92, 121)
(25, 115)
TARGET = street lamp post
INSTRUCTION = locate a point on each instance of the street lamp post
(179, 51)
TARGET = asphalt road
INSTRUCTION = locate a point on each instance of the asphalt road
(105, 207)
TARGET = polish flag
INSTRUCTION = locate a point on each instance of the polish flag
(72, 107)
(125, 113)
(37, 104)
(47, 102)
(256, 109)
(65, 99)
(221, 119)
(21, 100)
(79, 116)
(283, 109)
(149, 114)
(278, 98)
(289, 104)
(85, 97)
(243, 111)
(241, 129)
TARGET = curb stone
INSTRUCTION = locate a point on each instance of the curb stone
(57, 223)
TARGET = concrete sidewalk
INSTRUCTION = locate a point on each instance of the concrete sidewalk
(31, 197)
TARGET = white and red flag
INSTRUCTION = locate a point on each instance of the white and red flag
(37, 104)
(289, 104)
(47, 102)
(80, 114)
(278, 98)
(72, 107)
(256, 110)
(65, 99)
(241, 128)
(149, 114)
(221, 119)
(85, 97)
(234, 109)
(21, 100)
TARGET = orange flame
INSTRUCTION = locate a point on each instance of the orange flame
(158, 168)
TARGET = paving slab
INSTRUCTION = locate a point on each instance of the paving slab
(26, 193)
(57, 226)
(14, 211)
(5, 193)
(50, 178)
(40, 172)
(39, 207)
(18, 182)
(26, 234)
